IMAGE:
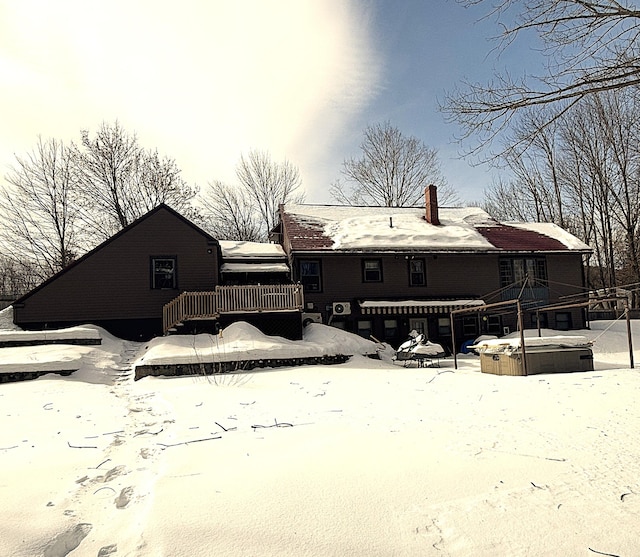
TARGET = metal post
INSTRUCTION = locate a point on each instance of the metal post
(453, 342)
(520, 326)
(626, 311)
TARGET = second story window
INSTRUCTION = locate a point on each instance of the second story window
(416, 272)
(515, 270)
(372, 270)
(310, 276)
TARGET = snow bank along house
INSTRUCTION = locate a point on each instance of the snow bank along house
(371, 270)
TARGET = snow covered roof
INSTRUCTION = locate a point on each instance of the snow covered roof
(331, 227)
(250, 250)
(254, 268)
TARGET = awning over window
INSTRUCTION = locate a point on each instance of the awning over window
(254, 268)
(405, 307)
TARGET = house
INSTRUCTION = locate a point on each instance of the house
(385, 271)
(162, 272)
(375, 271)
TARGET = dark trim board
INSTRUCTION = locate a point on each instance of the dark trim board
(15, 376)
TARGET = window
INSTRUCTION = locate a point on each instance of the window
(372, 270)
(416, 272)
(444, 327)
(310, 276)
(364, 328)
(469, 326)
(543, 320)
(494, 325)
(418, 325)
(390, 328)
(563, 321)
(515, 270)
(164, 273)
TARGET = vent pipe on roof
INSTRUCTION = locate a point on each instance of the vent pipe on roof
(390, 222)
(431, 205)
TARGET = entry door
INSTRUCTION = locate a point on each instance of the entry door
(419, 325)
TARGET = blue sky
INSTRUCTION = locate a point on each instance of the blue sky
(206, 80)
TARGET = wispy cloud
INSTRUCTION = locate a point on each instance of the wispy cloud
(201, 80)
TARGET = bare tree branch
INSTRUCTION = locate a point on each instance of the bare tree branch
(120, 181)
(268, 184)
(393, 171)
(229, 214)
(39, 206)
(249, 211)
(589, 46)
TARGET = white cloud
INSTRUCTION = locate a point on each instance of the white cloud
(201, 81)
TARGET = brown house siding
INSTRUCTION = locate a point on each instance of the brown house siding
(447, 276)
(113, 282)
(565, 274)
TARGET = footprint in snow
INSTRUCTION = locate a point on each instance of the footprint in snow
(67, 541)
(122, 500)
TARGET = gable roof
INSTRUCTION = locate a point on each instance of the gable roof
(161, 207)
(389, 229)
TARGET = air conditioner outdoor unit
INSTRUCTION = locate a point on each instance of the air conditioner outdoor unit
(309, 317)
(341, 308)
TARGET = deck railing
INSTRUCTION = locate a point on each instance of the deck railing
(231, 299)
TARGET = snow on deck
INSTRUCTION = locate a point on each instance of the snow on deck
(31, 359)
(71, 333)
(242, 341)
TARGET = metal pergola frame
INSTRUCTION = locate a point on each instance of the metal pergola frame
(517, 303)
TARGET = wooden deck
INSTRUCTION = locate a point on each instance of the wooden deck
(226, 300)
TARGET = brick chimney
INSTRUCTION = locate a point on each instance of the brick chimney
(431, 204)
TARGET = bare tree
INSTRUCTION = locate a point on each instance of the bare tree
(17, 277)
(158, 180)
(120, 181)
(535, 191)
(249, 210)
(229, 214)
(40, 214)
(268, 184)
(393, 171)
(590, 46)
(108, 163)
(583, 172)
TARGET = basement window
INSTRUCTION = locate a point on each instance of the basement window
(364, 328)
(563, 321)
(164, 273)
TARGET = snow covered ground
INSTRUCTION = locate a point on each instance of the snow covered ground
(365, 458)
